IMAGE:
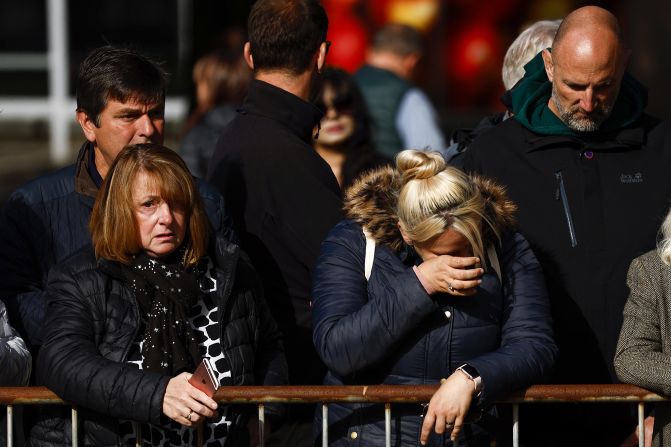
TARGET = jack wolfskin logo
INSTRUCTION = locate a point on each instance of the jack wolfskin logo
(632, 178)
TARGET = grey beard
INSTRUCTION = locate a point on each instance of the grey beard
(587, 124)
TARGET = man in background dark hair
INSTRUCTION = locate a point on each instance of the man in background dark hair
(282, 195)
(120, 101)
(285, 35)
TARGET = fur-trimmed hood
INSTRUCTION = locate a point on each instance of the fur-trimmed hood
(371, 202)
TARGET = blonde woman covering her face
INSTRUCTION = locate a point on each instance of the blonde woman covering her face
(455, 296)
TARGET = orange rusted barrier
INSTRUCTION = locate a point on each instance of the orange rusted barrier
(29, 395)
(387, 394)
(373, 394)
(422, 393)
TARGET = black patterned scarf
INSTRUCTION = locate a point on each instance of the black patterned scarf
(165, 291)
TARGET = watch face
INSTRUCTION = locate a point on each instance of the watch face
(470, 370)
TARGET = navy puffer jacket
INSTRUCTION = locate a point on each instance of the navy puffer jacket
(389, 330)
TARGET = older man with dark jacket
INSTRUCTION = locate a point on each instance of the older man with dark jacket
(589, 171)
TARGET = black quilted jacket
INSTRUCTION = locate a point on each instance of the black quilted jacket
(92, 321)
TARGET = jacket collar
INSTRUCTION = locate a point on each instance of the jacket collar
(272, 102)
(629, 138)
(84, 184)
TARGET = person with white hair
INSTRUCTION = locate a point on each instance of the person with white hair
(528, 44)
(525, 47)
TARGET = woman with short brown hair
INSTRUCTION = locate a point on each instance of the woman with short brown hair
(128, 321)
(113, 226)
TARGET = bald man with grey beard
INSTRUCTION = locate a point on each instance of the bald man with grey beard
(588, 169)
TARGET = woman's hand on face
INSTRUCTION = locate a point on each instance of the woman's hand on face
(455, 275)
(448, 407)
(186, 404)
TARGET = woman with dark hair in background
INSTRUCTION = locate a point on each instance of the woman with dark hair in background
(128, 321)
(344, 137)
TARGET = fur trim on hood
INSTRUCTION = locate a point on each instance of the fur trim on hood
(371, 202)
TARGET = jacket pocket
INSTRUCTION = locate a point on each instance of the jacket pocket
(560, 195)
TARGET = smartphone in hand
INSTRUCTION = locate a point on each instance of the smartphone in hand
(204, 379)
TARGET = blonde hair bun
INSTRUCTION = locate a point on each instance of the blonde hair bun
(418, 165)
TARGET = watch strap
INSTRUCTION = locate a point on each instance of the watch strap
(472, 374)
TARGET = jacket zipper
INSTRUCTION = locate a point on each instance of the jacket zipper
(560, 194)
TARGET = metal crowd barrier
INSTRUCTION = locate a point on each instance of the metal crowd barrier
(381, 394)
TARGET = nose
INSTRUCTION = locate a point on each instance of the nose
(331, 112)
(146, 127)
(164, 214)
(587, 101)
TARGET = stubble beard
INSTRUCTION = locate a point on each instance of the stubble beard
(584, 123)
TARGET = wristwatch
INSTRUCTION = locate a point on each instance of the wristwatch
(473, 375)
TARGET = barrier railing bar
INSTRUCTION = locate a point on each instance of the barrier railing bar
(325, 425)
(137, 428)
(386, 394)
(422, 393)
(387, 424)
(37, 395)
(10, 425)
(516, 425)
(641, 424)
(75, 428)
(262, 423)
(373, 394)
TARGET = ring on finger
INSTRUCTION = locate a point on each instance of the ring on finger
(450, 287)
(188, 416)
(449, 425)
